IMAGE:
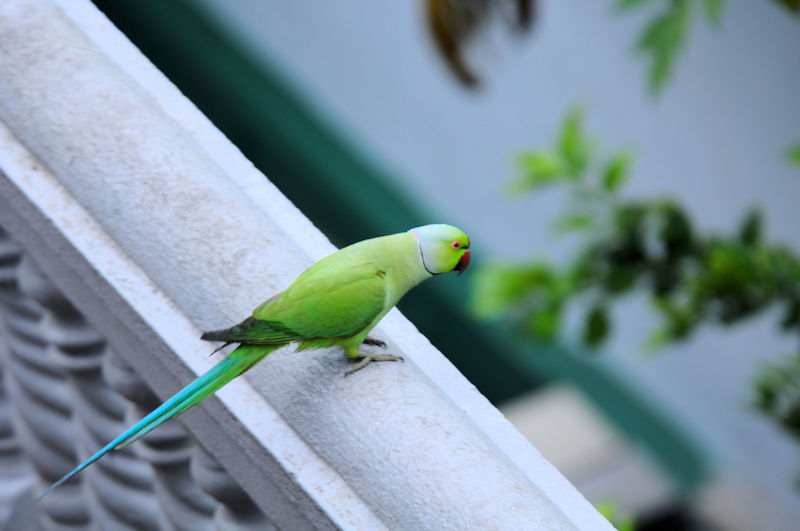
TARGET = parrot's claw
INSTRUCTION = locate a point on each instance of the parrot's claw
(366, 359)
(374, 342)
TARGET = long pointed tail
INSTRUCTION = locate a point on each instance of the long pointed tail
(237, 362)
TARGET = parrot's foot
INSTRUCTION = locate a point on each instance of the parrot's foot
(374, 342)
(366, 359)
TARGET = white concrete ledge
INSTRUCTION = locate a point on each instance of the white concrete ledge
(157, 227)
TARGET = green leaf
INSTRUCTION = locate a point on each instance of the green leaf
(500, 286)
(597, 326)
(539, 168)
(676, 231)
(713, 10)
(610, 512)
(628, 5)
(750, 231)
(665, 277)
(793, 6)
(793, 153)
(657, 340)
(616, 171)
(545, 322)
(496, 287)
(575, 222)
(619, 279)
(791, 316)
(728, 267)
(662, 40)
(574, 147)
(680, 320)
(777, 392)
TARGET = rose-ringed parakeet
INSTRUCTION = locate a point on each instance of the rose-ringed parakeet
(335, 302)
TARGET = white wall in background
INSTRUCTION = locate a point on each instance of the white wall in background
(715, 139)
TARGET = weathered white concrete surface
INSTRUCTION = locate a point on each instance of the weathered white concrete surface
(157, 227)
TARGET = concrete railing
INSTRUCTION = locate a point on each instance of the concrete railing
(130, 224)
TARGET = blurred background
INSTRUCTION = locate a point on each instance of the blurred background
(628, 172)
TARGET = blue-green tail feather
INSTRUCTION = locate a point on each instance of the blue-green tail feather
(237, 362)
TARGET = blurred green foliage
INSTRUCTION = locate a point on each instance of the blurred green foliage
(793, 153)
(666, 33)
(793, 6)
(610, 512)
(648, 246)
(778, 393)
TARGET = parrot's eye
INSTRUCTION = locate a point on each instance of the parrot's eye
(456, 244)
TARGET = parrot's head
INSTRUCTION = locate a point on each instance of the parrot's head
(443, 248)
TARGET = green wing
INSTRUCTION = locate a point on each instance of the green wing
(333, 299)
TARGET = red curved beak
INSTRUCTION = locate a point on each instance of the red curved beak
(462, 264)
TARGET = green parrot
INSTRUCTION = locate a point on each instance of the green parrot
(335, 302)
